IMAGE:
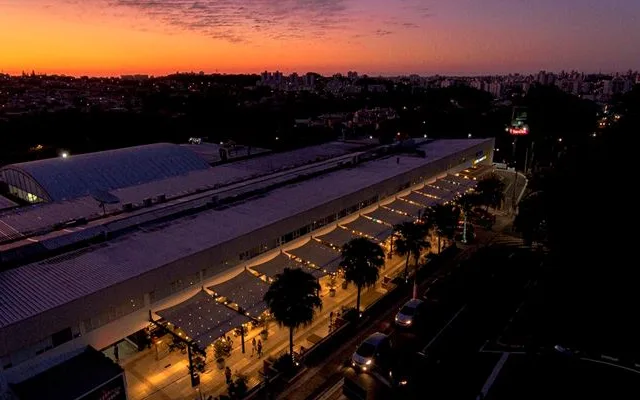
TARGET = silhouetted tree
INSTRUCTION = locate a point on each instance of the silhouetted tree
(293, 299)
(361, 262)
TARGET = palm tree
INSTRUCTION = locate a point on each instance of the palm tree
(411, 242)
(491, 191)
(361, 262)
(466, 203)
(293, 299)
(445, 220)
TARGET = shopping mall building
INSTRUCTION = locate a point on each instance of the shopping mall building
(112, 237)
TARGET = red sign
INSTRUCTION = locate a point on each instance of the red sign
(518, 131)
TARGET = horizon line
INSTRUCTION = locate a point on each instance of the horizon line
(380, 75)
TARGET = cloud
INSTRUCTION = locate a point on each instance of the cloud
(234, 20)
(382, 32)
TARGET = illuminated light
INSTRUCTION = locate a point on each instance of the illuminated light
(425, 135)
(560, 140)
(518, 131)
(64, 154)
(469, 135)
(480, 160)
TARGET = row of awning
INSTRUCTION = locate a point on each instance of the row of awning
(204, 317)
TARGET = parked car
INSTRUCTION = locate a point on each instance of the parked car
(375, 351)
(409, 313)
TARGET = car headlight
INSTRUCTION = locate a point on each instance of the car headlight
(409, 322)
(368, 362)
(403, 382)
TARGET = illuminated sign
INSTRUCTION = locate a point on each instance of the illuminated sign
(519, 131)
(481, 159)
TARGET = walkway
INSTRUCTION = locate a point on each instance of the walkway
(156, 374)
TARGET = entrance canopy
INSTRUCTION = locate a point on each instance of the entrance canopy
(337, 237)
(419, 198)
(318, 255)
(459, 180)
(246, 290)
(432, 191)
(276, 265)
(451, 187)
(387, 216)
(404, 207)
(371, 228)
(203, 319)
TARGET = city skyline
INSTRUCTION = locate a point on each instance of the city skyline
(400, 37)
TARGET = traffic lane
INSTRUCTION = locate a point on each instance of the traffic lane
(535, 377)
(454, 366)
(329, 371)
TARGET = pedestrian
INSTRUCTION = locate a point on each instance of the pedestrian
(259, 348)
(116, 352)
(230, 341)
(253, 346)
(227, 374)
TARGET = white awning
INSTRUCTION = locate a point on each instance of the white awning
(245, 289)
(318, 255)
(419, 198)
(276, 265)
(432, 191)
(338, 237)
(404, 207)
(203, 319)
(371, 228)
(387, 216)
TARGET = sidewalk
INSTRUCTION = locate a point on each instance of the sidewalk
(167, 378)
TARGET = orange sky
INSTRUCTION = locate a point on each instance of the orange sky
(113, 37)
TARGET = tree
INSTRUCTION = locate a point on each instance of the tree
(293, 299)
(491, 191)
(411, 242)
(444, 218)
(466, 202)
(361, 261)
(531, 218)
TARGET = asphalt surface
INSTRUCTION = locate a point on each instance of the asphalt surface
(559, 377)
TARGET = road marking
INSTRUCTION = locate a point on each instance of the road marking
(609, 358)
(500, 351)
(494, 374)
(611, 365)
(424, 351)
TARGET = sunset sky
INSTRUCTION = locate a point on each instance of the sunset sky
(113, 37)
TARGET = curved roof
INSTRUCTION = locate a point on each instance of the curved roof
(84, 174)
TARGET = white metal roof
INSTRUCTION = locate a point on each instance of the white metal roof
(80, 175)
(38, 287)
